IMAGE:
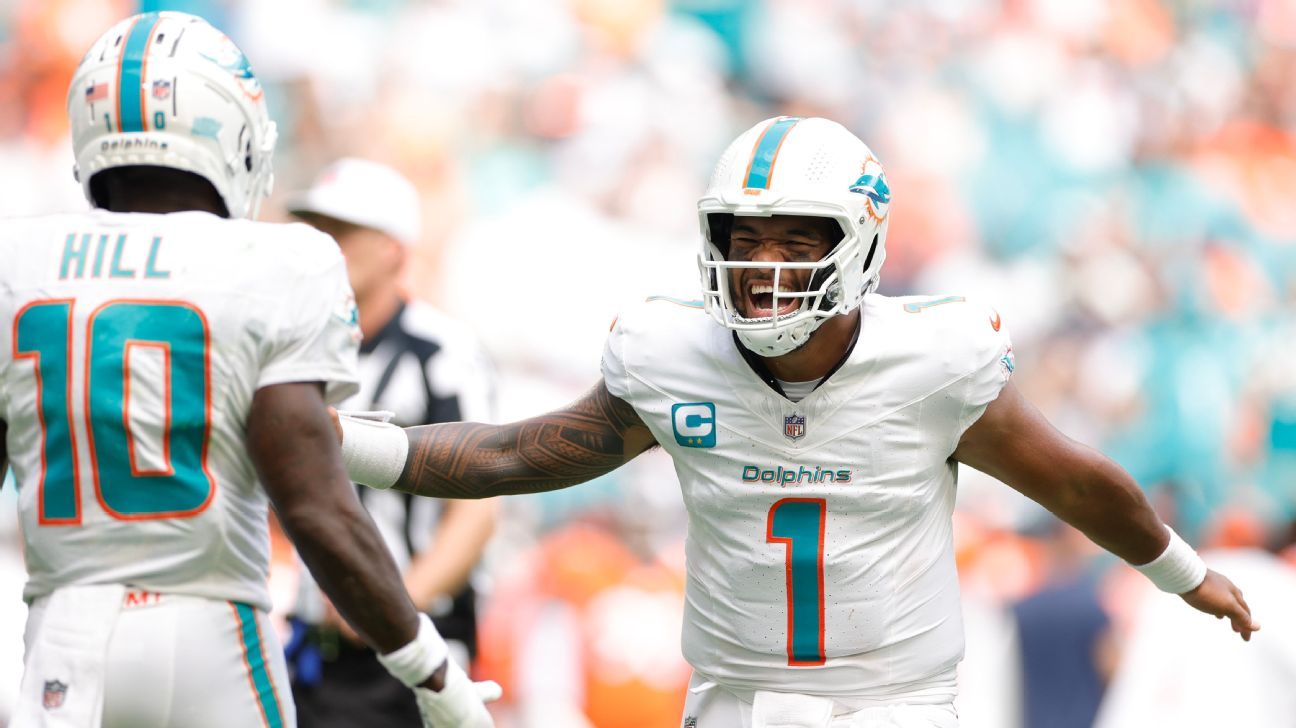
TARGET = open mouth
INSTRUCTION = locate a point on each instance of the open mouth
(760, 300)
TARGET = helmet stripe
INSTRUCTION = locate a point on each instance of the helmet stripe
(130, 81)
(761, 167)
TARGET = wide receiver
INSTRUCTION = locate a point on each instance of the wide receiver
(816, 433)
(159, 354)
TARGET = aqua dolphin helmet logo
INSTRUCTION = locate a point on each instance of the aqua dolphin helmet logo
(875, 186)
(872, 184)
(236, 63)
(231, 59)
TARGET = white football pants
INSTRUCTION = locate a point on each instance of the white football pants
(172, 662)
(716, 707)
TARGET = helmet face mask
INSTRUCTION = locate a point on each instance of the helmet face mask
(167, 89)
(817, 298)
(794, 167)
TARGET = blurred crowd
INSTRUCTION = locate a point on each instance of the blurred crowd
(1117, 177)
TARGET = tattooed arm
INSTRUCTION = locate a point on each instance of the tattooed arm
(594, 435)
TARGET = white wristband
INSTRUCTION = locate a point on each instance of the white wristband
(1178, 569)
(373, 452)
(413, 663)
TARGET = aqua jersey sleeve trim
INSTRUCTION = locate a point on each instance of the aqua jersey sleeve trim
(677, 301)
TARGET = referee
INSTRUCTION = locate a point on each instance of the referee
(426, 368)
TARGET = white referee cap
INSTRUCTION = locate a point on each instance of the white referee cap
(364, 193)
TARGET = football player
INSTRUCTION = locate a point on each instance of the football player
(816, 428)
(160, 354)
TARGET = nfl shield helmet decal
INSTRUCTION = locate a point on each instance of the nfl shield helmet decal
(54, 693)
(794, 427)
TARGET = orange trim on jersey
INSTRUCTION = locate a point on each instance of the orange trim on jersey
(787, 560)
(169, 468)
(207, 394)
(823, 618)
(40, 416)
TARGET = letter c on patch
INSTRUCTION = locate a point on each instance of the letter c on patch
(694, 424)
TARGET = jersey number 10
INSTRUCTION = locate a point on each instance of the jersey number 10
(126, 491)
(798, 524)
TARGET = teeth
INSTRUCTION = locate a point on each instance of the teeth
(766, 288)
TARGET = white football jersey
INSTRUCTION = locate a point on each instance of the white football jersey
(820, 557)
(133, 346)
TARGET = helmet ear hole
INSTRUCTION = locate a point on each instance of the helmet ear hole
(868, 259)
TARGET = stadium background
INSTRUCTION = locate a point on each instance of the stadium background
(1118, 177)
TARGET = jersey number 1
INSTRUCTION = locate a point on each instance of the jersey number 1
(798, 524)
(125, 490)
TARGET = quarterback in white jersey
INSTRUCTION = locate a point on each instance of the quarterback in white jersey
(816, 428)
(819, 529)
(160, 354)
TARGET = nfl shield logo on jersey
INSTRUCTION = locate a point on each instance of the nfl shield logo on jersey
(690, 722)
(794, 426)
(54, 693)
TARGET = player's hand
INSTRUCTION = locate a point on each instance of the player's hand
(337, 423)
(448, 699)
(1216, 595)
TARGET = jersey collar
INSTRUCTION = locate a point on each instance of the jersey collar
(757, 364)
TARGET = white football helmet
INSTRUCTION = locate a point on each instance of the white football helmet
(794, 166)
(167, 89)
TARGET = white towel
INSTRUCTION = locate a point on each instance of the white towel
(790, 710)
(63, 680)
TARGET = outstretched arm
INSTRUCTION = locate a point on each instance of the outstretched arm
(1014, 443)
(594, 435)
